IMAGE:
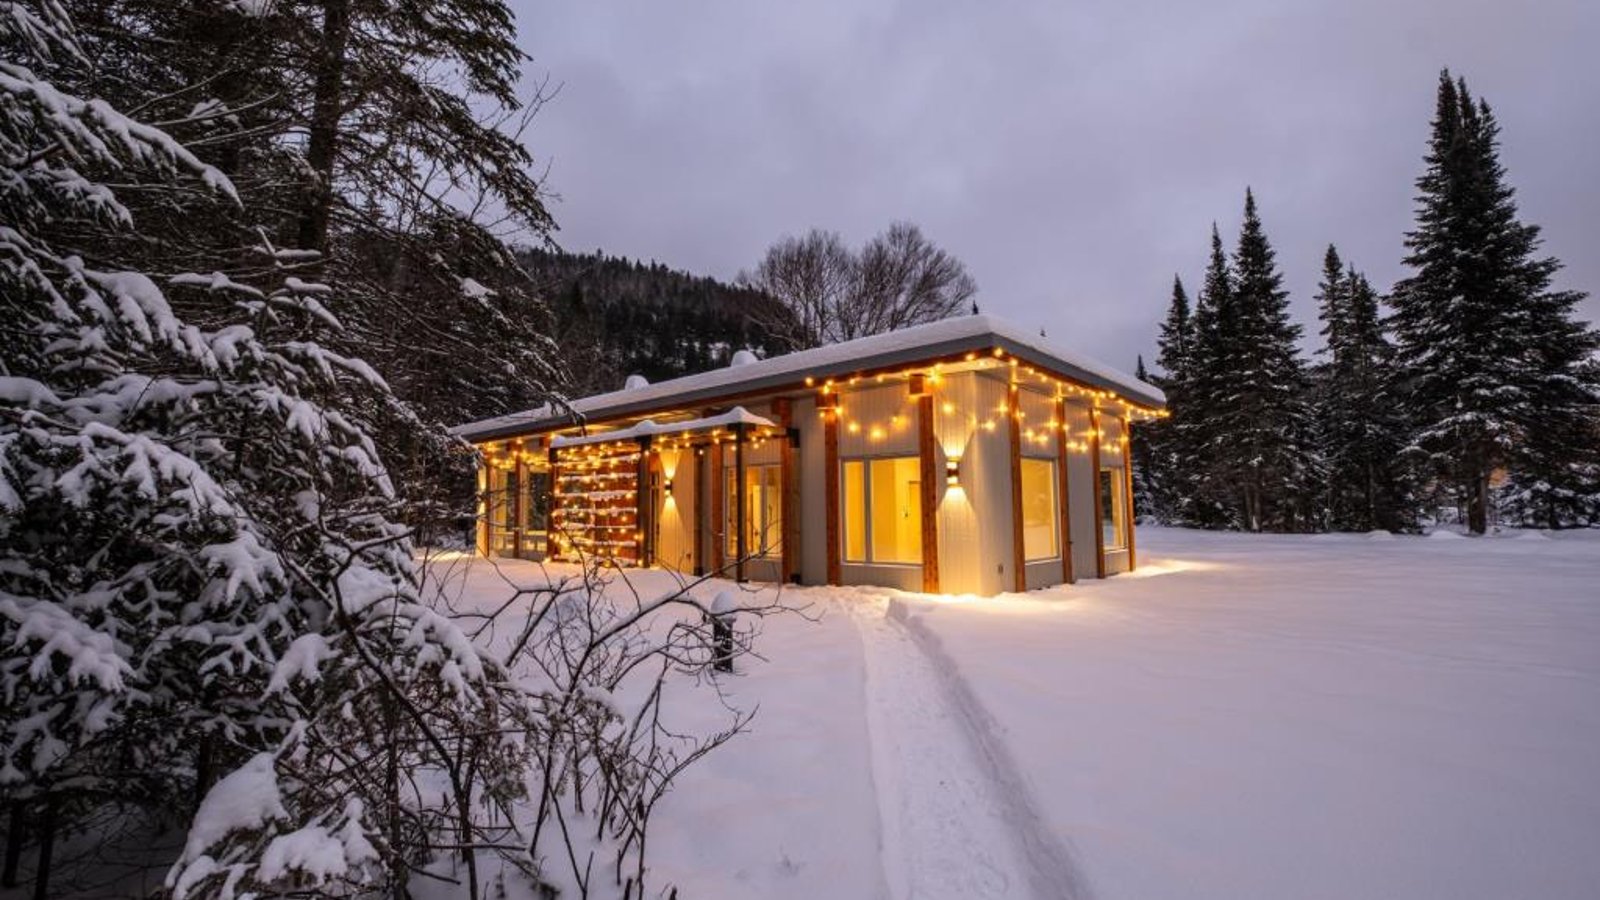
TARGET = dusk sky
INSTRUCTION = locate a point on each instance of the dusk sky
(1073, 155)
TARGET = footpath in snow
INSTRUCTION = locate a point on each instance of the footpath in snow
(957, 819)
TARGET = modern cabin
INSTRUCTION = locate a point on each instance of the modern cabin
(962, 456)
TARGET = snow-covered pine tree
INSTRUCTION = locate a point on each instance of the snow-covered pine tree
(386, 137)
(1359, 429)
(1492, 363)
(1168, 461)
(198, 560)
(1199, 428)
(1263, 442)
(1141, 450)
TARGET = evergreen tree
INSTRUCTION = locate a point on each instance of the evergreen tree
(1140, 449)
(1199, 431)
(1262, 424)
(1168, 463)
(1359, 430)
(1493, 364)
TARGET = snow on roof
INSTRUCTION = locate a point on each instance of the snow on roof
(736, 416)
(910, 345)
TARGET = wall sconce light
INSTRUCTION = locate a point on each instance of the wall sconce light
(952, 471)
(667, 485)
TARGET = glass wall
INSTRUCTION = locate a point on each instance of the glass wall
(763, 521)
(1040, 520)
(883, 510)
(1113, 509)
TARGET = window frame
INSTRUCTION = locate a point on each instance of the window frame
(1055, 509)
(1116, 498)
(865, 461)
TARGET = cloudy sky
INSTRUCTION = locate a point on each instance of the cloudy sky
(1073, 154)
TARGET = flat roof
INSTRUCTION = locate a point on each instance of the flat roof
(944, 338)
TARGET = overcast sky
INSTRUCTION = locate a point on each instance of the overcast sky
(1072, 154)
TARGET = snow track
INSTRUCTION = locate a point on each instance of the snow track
(957, 818)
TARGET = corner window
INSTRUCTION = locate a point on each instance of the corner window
(763, 502)
(1039, 519)
(883, 510)
(1113, 509)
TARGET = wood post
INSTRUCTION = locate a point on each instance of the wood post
(719, 520)
(1127, 485)
(1063, 471)
(788, 475)
(550, 545)
(1019, 561)
(644, 505)
(485, 503)
(741, 510)
(930, 476)
(701, 498)
(1099, 501)
(519, 519)
(830, 468)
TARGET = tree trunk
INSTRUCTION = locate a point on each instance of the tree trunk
(326, 110)
(16, 831)
(1478, 505)
(47, 846)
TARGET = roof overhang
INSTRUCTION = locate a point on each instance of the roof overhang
(946, 341)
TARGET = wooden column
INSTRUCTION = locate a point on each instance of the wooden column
(1063, 472)
(700, 498)
(788, 475)
(1127, 484)
(1019, 561)
(830, 464)
(1099, 502)
(485, 502)
(643, 508)
(719, 545)
(741, 508)
(518, 503)
(931, 476)
(550, 546)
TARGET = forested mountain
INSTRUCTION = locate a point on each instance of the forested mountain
(622, 317)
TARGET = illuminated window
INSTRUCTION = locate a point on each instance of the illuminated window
(763, 503)
(1112, 510)
(1039, 517)
(883, 510)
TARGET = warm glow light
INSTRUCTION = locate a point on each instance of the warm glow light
(952, 471)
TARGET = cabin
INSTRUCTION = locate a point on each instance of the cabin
(965, 456)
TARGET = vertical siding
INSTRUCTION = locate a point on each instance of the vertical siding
(1080, 480)
(975, 520)
(676, 513)
(878, 421)
(813, 506)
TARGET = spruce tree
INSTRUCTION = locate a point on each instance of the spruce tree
(1493, 364)
(1358, 429)
(1167, 459)
(1141, 449)
(1263, 439)
(1198, 426)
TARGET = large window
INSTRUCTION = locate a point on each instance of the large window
(883, 510)
(1039, 519)
(1113, 509)
(763, 503)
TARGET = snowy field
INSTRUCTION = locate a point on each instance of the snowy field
(1246, 716)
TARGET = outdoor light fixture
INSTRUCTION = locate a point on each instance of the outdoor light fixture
(952, 471)
(667, 485)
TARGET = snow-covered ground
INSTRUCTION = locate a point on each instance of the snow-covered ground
(1246, 716)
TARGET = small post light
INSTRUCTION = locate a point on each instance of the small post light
(952, 471)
